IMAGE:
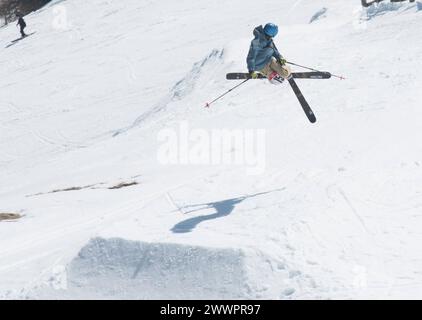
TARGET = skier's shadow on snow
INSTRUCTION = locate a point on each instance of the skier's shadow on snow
(223, 208)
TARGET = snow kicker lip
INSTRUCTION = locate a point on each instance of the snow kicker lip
(121, 269)
(117, 268)
(180, 89)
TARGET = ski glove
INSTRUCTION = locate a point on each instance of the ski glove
(282, 61)
(253, 74)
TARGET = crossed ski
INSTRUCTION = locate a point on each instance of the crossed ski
(315, 74)
(295, 75)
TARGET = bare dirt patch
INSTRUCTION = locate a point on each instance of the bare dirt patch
(124, 185)
(9, 216)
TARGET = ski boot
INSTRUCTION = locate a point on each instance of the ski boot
(275, 78)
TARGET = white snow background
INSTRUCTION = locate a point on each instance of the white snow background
(335, 213)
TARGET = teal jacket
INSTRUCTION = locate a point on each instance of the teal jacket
(261, 51)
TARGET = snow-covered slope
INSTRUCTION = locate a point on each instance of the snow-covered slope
(331, 210)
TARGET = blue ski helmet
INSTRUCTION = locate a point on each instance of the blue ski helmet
(271, 30)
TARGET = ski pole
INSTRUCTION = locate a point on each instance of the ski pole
(298, 65)
(207, 105)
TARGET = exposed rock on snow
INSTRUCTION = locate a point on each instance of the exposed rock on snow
(9, 216)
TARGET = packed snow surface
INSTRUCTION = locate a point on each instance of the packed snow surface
(326, 210)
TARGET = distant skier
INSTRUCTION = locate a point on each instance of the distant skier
(263, 57)
(22, 24)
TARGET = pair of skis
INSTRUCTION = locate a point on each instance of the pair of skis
(296, 75)
(13, 42)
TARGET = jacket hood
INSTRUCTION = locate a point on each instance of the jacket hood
(259, 32)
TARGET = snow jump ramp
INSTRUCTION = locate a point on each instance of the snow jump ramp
(121, 269)
(116, 268)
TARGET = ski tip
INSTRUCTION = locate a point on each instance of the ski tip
(207, 105)
(311, 117)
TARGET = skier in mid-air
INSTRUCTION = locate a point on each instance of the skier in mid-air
(263, 56)
(22, 24)
(264, 59)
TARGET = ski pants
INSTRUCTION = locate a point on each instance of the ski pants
(274, 66)
(22, 31)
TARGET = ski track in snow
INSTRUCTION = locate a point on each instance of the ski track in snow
(318, 15)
